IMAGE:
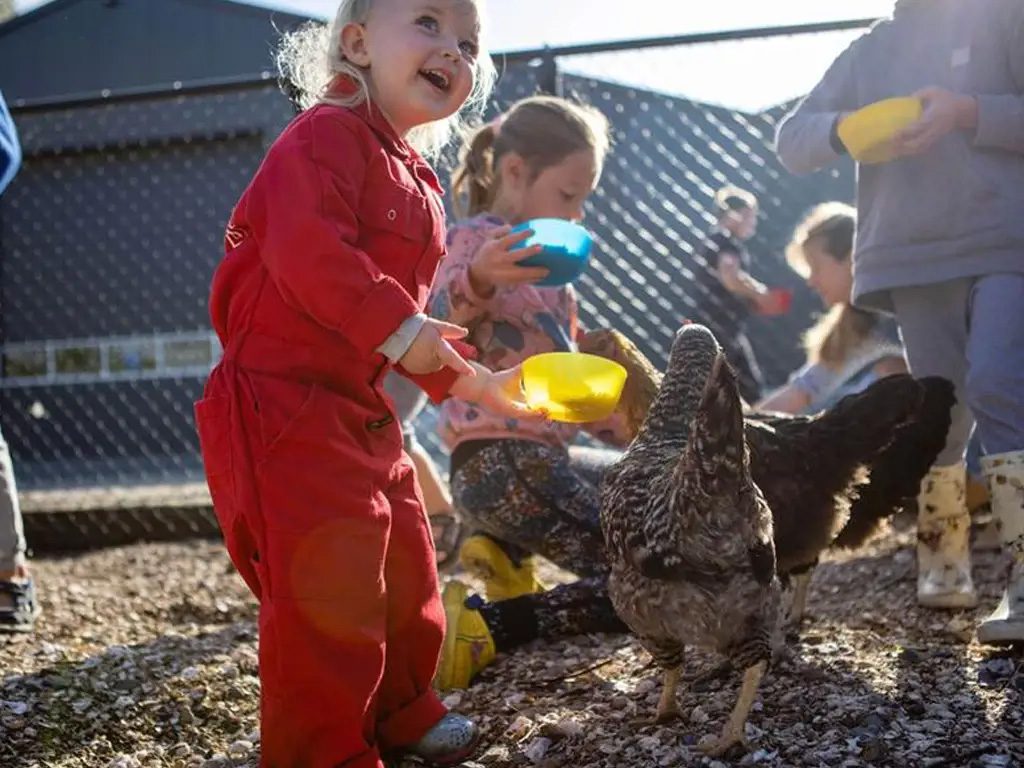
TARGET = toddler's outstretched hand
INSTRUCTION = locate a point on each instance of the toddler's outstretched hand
(500, 392)
(430, 350)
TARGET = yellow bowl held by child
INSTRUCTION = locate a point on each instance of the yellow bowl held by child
(868, 133)
(573, 387)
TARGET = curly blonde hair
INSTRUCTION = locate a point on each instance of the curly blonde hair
(310, 60)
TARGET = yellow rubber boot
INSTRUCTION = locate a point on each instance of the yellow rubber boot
(503, 580)
(468, 645)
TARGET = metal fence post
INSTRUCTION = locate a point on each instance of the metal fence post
(547, 74)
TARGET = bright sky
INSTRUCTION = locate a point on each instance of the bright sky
(748, 75)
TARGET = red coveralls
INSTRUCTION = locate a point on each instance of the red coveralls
(334, 243)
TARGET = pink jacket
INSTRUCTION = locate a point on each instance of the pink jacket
(515, 323)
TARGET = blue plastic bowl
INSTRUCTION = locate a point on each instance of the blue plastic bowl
(566, 249)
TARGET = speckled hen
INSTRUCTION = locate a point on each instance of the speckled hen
(829, 479)
(689, 534)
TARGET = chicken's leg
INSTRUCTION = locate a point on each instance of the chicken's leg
(798, 605)
(733, 732)
(668, 706)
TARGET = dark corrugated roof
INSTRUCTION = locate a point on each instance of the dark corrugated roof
(40, 12)
(150, 43)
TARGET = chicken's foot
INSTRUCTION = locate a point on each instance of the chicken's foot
(668, 706)
(733, 733)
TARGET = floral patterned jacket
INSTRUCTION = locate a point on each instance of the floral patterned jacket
(515, 323)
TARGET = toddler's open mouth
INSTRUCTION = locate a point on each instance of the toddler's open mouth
(437, 78)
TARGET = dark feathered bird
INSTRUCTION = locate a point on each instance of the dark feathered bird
(688, 533)
(898, 469)
(812, 468)
(830, 478)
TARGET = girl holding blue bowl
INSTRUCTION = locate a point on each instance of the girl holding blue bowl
(524, 486)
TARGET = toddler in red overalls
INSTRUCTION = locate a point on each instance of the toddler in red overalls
(330, 255)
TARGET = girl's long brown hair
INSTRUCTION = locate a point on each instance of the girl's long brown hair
(838, 332)
(543, 130)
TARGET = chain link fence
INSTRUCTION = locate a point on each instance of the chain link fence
(112, 230)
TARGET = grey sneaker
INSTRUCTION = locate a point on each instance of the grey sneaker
(448, 743)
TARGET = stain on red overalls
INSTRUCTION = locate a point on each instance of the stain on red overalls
(334, 243)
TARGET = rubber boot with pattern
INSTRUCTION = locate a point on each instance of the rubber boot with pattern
(943, 541)
(468, 645)
(1005, 475)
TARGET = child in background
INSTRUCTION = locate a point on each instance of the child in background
(940, 244)
(726, 293)
(848, 348)
(330, 254)
(521, 483)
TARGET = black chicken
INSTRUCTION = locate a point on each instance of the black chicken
(831, 478)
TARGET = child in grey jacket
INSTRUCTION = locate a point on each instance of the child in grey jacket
(940, 243)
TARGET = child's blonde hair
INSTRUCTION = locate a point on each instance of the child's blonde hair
(844, 327)
(543, 130)
(310, 60)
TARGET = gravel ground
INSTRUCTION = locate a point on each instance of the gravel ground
(146, 656)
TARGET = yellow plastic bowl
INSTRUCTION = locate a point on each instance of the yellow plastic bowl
(867, 134)
(573, 387)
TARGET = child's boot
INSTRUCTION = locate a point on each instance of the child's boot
(984, 536)
(1005, 475)
(468, 645)
(450, 742)
(943, 541)
(483, 558)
